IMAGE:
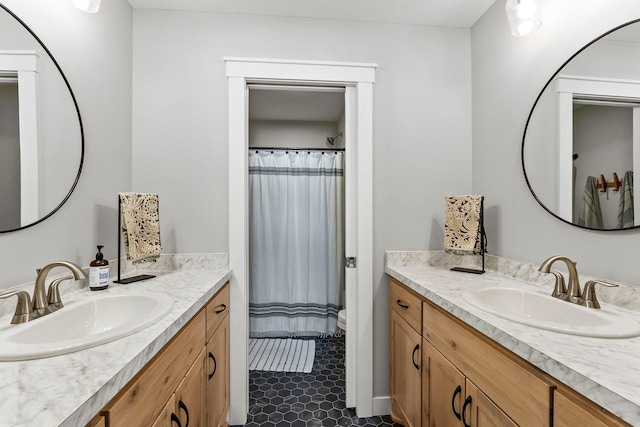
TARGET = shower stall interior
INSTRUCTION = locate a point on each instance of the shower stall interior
(296, 210)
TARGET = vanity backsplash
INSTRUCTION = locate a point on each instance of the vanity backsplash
(625, 295)
(166, 263)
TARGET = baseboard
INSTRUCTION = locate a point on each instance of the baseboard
(381, 405)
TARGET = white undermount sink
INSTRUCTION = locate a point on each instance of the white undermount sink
(546, 312)
(83, 324)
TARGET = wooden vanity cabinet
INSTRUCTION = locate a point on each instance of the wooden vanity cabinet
(190, 395)
(147, 394)
(458, 366)
(468, 380)
(516, 387)
(174, 388)
(406, 378)
(98, 421)
(168, 417)
(217, 375)
(572, 409)
(451, 399)
(405, 356)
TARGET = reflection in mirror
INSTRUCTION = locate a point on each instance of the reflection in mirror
(581, 143)
(9, 153)
(41, 137)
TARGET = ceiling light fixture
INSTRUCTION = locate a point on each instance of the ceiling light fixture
(522, 17)
(90, 6)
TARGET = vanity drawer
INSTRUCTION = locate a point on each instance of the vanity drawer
(516, 387)
(573, 409)
(217, 309)
(406, 303)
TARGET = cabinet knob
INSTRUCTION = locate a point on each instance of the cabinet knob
(467, 402)
(457, 391)
(224, 307)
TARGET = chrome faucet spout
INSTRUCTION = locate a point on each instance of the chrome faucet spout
(40, 303)
(574, 293)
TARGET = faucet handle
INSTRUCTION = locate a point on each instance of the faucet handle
(560, 290)
(53, 294)
(589, 293)
(23, 308)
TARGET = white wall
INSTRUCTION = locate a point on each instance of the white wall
(508, 74)
(422, 119)
(292, 134)
(94, 51)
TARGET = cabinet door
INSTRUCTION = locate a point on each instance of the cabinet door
(140, 402)
(97, 421)
(218, 376)
(405, 378)
(190, 404)
(445, 387)
(167, 415)
(479, 411)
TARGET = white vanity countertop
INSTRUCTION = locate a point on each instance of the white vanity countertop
(68, 390)
(606, 371)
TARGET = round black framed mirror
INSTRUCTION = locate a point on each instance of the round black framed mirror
(42, 150)
(581, 141)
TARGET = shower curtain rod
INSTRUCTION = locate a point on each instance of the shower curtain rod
(295, 149)
(303, 88)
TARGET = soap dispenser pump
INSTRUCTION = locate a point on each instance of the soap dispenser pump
(99, 272)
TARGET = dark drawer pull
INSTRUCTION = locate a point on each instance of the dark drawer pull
(413, 356)
(182, 406)
(175, 419)
(402, 304)
(224, 307)
(215, 365)
(467, 402)
(453, 402)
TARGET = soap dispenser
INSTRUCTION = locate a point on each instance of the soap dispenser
(99, 272)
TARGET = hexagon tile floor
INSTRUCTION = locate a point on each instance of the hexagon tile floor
(280, 399)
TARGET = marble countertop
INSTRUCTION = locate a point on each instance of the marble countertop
(604, 370)
(68, 390)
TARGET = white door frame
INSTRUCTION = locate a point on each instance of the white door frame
(567, 87)
(25, 65)
(361, 77)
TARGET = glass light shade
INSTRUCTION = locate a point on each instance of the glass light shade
(90, 6)
(522, 18)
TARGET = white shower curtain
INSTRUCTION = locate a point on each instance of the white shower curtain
(296, 250)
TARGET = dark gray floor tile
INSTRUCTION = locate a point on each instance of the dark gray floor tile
(279, 399)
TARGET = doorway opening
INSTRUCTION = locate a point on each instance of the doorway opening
(357, 79)
(296, 210)
(296, 249)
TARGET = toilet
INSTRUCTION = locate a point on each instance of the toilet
(342, 321)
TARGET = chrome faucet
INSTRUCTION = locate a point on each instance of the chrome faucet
(572, 293)
(42, 307)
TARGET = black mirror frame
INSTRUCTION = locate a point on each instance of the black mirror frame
(526, 126)
(75, 103)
